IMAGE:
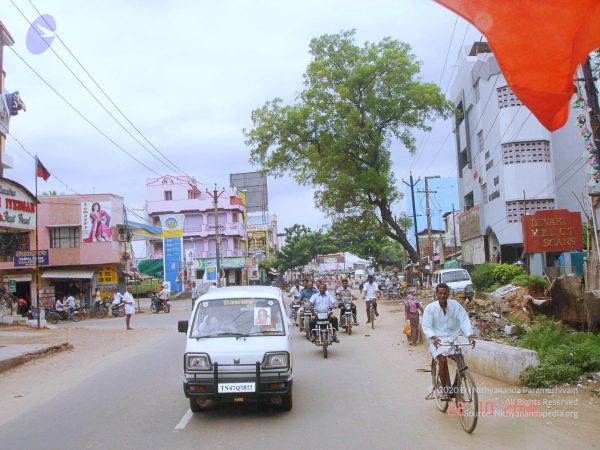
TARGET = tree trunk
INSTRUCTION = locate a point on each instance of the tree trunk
(399, 234)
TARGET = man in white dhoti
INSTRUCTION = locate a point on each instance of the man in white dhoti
(443, 321)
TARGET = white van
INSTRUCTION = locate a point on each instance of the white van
(458, 280)
(238, 348)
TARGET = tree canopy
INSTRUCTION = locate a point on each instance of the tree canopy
(302, 245)
(356, 101)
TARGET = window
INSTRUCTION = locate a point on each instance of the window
(516, 209)
(234, 217)
(168, 195)
(507, 98)
(484, 193)
(489, 164)
(526, 152)
(477, 93)
(496, 180)
(469, 201)
(481, 141)
(190, 194)
(64, 237)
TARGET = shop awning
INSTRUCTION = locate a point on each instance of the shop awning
(152, 267)
(69, 274)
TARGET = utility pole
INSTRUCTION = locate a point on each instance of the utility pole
(412, 194)
(592, 100)
(215, 196)
(428, 211)
(454, 229)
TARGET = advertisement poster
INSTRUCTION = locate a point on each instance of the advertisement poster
(107, 275)
(172, 233)
(26, 258)
(96, 221)
(257, 244)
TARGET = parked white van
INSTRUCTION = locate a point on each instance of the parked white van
(238, 348)
(458, 280)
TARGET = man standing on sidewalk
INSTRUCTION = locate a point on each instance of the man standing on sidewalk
(129, 307)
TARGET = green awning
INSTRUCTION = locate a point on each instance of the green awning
(232, 262)
(152, 267)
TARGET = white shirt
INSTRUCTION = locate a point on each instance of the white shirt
(322, 302)
(449, 325)
(71, 301)
(370, 290)
(164, 294)
(295, 291)
(195, 292)
(117, 298)
(344, 293)
(59, 306)
(129, 303)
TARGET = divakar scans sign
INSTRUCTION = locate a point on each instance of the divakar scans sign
(557, 230)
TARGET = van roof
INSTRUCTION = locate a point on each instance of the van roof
(215, 293)
(450, 270)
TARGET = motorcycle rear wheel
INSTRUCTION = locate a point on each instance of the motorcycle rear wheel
(101, 313)
(167, 308)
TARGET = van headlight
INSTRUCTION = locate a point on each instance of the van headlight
(276, 360)
(197, 362)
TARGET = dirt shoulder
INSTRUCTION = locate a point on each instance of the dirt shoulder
(37, 381)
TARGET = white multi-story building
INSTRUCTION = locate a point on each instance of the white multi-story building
(182, 195)
(508, 163)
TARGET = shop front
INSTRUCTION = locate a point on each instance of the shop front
(17, 236)
(233, 269)
(60, 283)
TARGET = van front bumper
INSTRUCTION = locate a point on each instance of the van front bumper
(266, 384)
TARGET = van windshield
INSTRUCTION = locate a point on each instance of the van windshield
(238, 317)
(457, 275)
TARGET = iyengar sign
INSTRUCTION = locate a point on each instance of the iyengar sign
(557, 230)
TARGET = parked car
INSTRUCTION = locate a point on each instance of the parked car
(459, 281)
(146, 287)
(238, 348)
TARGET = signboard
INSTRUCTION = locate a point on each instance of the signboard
(12, 286)
(17, 206)
(172, 233)
(27, 258)
(258, 244)
(557, 230)
(96, 221)
(107, 275)
(229, 262)
(469, 224)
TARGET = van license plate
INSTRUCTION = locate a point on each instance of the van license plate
(234, 388)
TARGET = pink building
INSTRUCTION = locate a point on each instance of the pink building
(83, 246)
(182, 195)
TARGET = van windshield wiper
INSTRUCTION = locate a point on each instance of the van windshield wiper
(224, 334)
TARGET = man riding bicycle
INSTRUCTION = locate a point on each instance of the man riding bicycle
(371, 293)
(442, 321)
(345, 293)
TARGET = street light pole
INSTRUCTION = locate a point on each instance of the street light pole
(215, 196)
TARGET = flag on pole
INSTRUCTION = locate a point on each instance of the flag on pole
(40, 170)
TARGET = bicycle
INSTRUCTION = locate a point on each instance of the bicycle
(463, 391)
(371, 313)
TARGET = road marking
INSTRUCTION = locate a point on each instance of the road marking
(184, 420)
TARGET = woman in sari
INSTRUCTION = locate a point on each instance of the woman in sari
(411, 314)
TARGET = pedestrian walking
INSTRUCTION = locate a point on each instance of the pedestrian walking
(195, 293)
(129, 307)
(411, 315)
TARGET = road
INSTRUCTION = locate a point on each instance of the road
(368, 394)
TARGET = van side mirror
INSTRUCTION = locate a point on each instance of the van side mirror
(182, 326)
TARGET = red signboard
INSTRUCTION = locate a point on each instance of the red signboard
(556, 230)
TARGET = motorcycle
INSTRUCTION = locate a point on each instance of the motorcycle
(323, 333)
(118, 310)
(294, 307)
(100, 309)
(158, 304)
(347, 318)
(394, 292)
(53, 316)
(305, 319)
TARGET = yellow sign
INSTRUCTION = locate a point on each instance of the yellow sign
(107, 275)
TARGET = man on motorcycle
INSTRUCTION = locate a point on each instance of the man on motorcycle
(163, 295)
(345, 293)
(305, 294)
(370, 294)
(322, 301)
(295, 290)
(443, 320)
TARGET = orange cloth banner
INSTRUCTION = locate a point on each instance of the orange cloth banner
(538, 45)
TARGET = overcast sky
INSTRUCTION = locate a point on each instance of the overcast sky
(188, 74)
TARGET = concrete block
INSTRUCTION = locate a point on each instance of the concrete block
(499, 361)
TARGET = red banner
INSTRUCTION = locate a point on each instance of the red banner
(556, 230)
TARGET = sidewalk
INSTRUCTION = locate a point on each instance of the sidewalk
(12, 355)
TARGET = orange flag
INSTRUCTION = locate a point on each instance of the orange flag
(538, 45)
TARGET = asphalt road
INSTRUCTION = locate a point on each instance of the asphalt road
(367, 394)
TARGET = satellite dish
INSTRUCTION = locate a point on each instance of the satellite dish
(41, 33)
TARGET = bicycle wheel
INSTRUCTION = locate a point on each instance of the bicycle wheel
(438, 389)
(467, 401)
(76, 317)
(101, 313)
(52, 318)
(372, 314)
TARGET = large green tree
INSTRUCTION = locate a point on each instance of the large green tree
(302, 245)
(356, 101)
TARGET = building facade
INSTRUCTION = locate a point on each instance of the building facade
(509, 165)
(181, 195)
